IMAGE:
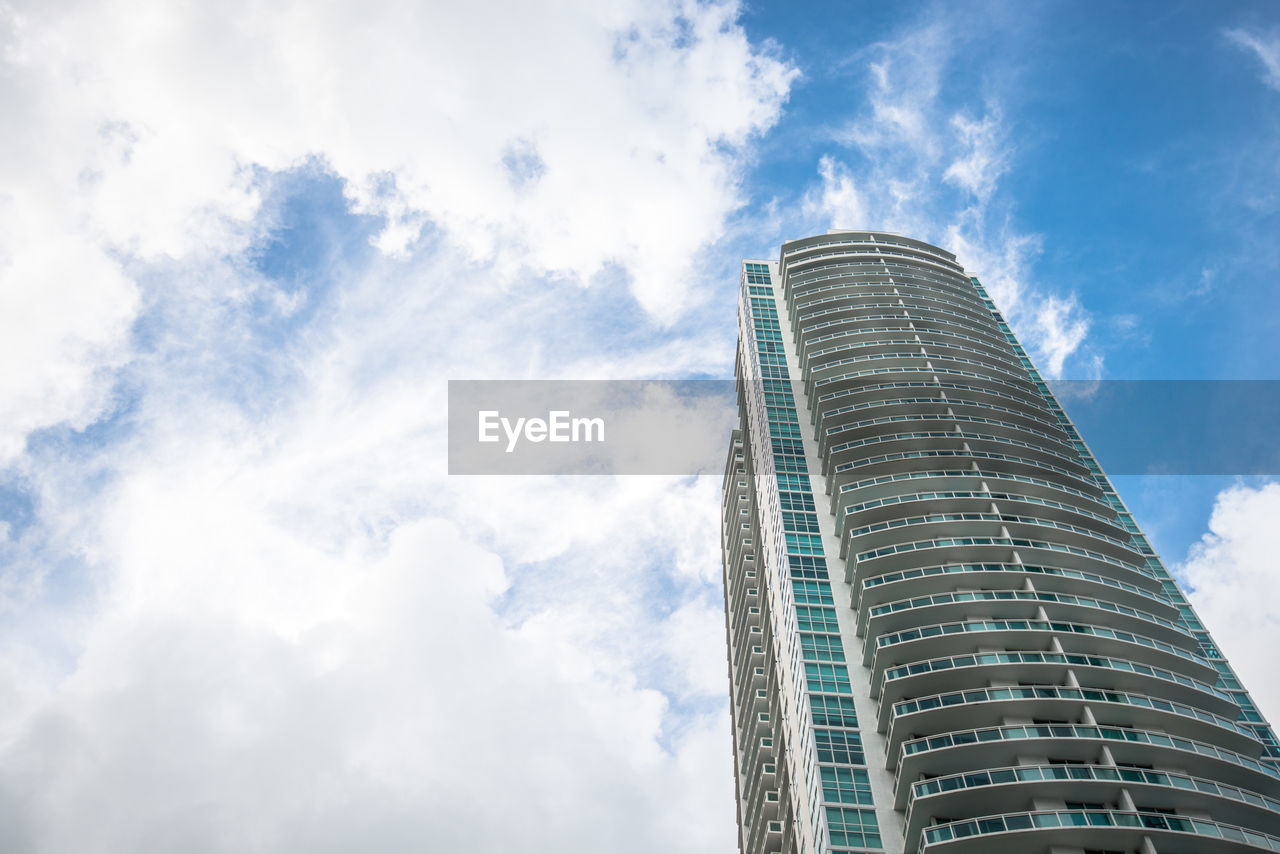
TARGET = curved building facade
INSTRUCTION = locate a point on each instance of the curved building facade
(946, 633)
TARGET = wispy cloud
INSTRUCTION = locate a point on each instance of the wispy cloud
(985, 154)
(1264, 46)
(926, 166)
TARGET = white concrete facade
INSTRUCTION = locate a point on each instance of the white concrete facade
(945, 631)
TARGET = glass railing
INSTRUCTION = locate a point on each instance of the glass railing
(961, 627)
(1057, 692)
(1022, 596)
(1097, 818)
(949, 418)
(1103, 773)
(907, 369)
(932, 357)
(1012, 542)
(996, 518)
(993, 342)
(974, 455)
(912, 291)
(988, 497)
(808, 317)
(917, 341)
(1031, 410)
(978, 474)
(799, 283)
(947, 569)
(806, 267)
(1061, 731)
(1065, 658)
(863, 245)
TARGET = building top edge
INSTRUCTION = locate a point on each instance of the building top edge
(866, 234)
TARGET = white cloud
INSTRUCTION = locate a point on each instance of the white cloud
(393, 710)
(258, 615)
(146, 126)
(301, 636)
(984, 156)
(1235, 585)
(1266, 47)
(913, 145)
(839, 197)
(1059, 331)
(904, 77)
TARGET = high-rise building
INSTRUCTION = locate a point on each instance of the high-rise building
(946, 632)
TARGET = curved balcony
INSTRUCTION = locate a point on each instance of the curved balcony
(943, 418)
(833, 387)
(873, 268)
(1018, 604)
(1013, 833)
(933, 525)
(824, 349)
(928, 288)
(853, 455)
(816, 334)
(871, 284)
(958, 672)
(944, 431)
(947, 326)
(877, 310)
(926, 642)
(1011, 505)
(979, 707)
(837, 368)
(821, 336)
(885, 246)
(963, 393)
(1048, 452)
(977, 793)
(884, 418)
(838, 349)
(873, 294)
(978, 550)
(910, 583)
(877, 253)
(933, 458)
(986, 381)
(850, 420)
(995, 747)
(910, 354)
(966, 480)
(802, 286)
(934, 319)
(924, 309)
(954, 339)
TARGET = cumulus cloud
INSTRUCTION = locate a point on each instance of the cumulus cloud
(593, 137)
(1234, 585)
(251, 611)
(292, 632)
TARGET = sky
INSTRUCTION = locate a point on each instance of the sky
(245, 245)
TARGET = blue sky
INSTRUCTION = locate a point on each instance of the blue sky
(243, 607)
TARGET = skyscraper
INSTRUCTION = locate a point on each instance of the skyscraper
(946, 632)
